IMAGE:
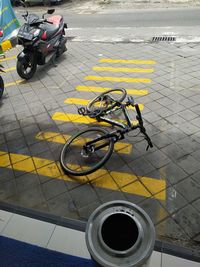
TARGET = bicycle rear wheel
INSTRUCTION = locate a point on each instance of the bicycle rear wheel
(106, 101)
(78, 158)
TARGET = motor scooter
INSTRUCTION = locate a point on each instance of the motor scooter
(43, 40)
(1, 70)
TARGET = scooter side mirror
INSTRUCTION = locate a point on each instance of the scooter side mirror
(50, 11)
(20, 2)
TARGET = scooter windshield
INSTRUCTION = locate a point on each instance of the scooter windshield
(32, 18)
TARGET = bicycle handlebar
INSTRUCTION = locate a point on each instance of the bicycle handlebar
(142, 129)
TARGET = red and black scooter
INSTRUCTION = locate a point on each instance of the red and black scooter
(42, 39)
(1, 70)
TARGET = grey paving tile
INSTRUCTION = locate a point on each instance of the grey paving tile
(188, 218)
(141, 166)
(158, 159)
(10, 127)
(153, 208)
(189, 189)
(6, 174)
(28, 198)
(26, 181)
(39, 147)
(188, 128)
(174, 151)
(188, 144)
(53, 188)
(84, 190)
(27, 121)
(161, 140)
(63, 205)
(30, 129)
(196, 177)
(114, 195)
(174, 200)
(170, 229)
(16, 145)
(196, 204)
(188, 115)
(13, 135)
(173, 173)
(7, 189)
(188, 164)
(85, 212)
(196, 154)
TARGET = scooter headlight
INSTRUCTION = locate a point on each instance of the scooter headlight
(36, 32)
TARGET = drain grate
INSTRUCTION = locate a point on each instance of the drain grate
(164, 39)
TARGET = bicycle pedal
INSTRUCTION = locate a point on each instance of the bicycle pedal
(81, 111)
(131, 100)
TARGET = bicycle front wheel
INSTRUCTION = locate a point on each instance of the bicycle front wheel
(79, 157)
(106, 101)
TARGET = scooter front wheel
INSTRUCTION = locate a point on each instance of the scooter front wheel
(1, 87)
(26, 67)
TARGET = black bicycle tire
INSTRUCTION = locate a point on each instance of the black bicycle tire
(97, 166)
(108, 91)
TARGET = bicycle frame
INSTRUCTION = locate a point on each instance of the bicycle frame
(117, 135)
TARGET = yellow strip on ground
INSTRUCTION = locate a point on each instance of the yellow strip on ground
(8, 58)
(84, 102)
(9, 69)
(117, 79)
(60, 116)
(134, 61)
(132, 70)
(120, 147)
(114, 180)
(14, 83)
(97, 89)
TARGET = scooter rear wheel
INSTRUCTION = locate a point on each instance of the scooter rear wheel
(26, 67)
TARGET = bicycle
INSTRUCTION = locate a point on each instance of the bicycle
(88, 150)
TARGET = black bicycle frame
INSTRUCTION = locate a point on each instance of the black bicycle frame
(117, 134)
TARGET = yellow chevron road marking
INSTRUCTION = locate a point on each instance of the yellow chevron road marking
(120, 147)
(135, 61)
(14, 83)
(10, 69)
(84, 102)
(97, 89)
(132, 70)
(126, 182)
(117, 79)
(60, 116)
(8, 58)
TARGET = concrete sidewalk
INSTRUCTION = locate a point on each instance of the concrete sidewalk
(38, 116)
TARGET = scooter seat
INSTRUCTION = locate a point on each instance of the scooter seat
(50, 30)
(56, 20)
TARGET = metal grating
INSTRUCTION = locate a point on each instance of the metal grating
(164, 39)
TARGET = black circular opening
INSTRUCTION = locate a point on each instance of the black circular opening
(119, 232)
